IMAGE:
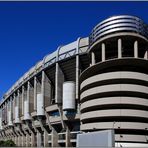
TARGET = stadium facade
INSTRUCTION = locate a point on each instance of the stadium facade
(95, 83)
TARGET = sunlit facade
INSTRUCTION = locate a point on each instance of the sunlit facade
(94, 83)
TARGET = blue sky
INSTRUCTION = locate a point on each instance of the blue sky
(31, 30)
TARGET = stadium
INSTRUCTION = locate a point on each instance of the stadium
(95, 83)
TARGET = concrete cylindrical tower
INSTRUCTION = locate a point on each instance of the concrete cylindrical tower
(114, 89)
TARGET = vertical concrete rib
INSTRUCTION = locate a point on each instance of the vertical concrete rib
(77, 68)
(17, 107)
(35, 93)
(28, 95)
(0, 119)
(54, 138)
(68, 143)
(103, 51)
(43, 89)
(14, 107)
(77, 76)
(23, 140)
(119, 48)
(136, 49)
(93, 58)
(10, 112)
(23, 100)
(45, 138)
(146, 55)
(43, 83)
(27, 139)
(59, 79)
(33, 139)
(28, 98)
(7, 111)
(47, 91)
(39, 139)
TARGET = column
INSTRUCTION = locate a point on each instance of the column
(35, 93)
(19, 140)
(27, 139)
(46, 89)
(14, 103)
(59, 79)
(23, 100)
(93, 58)
(10, 112)
(43, 83)
(27, 102)
(28, 95)
(77, 76)
(119, 48)
(136, 49)
(23, 140)
(43, 89)
(7, 111)
(46, 139)
(103, 51)
(33, 139)
(54, 138)
(146, 55)
(68, 143)
(39, 139)
(17, 107)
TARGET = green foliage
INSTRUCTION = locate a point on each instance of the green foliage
(7, 143)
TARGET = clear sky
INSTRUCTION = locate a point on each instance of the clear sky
(31, 30)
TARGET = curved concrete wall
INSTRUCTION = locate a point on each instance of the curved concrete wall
(113, 100)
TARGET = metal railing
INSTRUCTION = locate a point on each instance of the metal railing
(122, 23)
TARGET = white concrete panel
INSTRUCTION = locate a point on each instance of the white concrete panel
(68, 47)
(49, 57)
(84, 42)
(68, 95)
(26, 110)
(100, 139)
(40, 104)
(16, 114)
(9, 118)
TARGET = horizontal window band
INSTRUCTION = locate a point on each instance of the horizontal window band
(115, 94)
(115, 81)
